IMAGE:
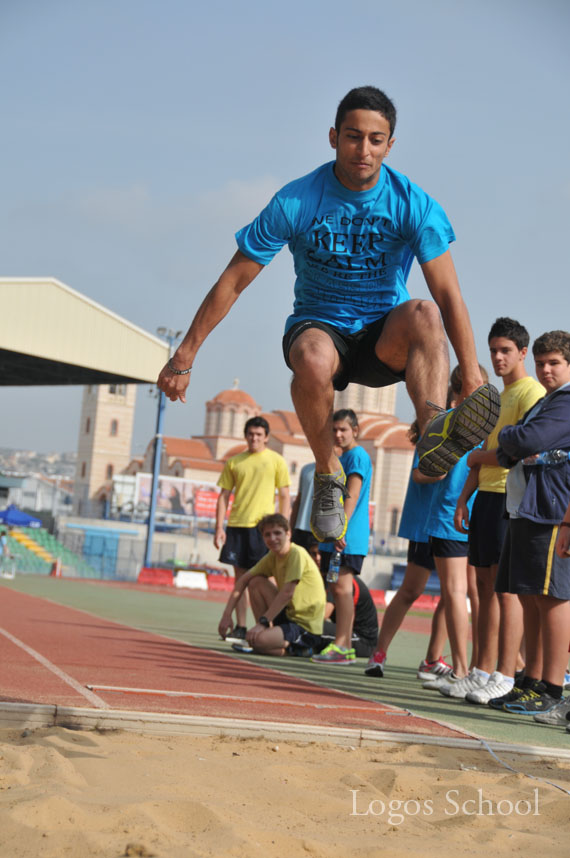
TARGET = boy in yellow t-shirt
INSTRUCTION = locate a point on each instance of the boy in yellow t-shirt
(500, 612)
(288, 610)
(253, 476)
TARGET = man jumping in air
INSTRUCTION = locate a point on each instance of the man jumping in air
(354, 226)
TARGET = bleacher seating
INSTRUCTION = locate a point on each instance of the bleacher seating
(36, 550)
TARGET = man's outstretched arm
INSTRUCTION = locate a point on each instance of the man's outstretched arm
(217, 303)
(441, 278)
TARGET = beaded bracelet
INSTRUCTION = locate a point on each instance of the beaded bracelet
(178, 371)
(564, 524)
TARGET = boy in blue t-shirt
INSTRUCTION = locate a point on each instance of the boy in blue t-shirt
(419, 565)
(354, 546)
(354, 227)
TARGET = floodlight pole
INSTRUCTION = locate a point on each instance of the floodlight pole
(170, 337)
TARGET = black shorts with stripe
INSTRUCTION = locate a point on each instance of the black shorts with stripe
(529, 565)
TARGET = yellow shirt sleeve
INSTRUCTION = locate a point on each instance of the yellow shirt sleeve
(226, 480)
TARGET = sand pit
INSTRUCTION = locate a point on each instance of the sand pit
(103, 795)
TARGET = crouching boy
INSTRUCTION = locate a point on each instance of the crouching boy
(285, 612)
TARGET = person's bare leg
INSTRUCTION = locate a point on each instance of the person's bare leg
(241, 605)
(532, 637)
(555, 624)
(315, 361)
(453, 578)
(510, 633)
(488, 629)
(413, 585)
(438, 634)
(262, 592)
(414, 339)
(473, 595)
(344, 608)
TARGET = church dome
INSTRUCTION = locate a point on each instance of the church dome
(233, 397)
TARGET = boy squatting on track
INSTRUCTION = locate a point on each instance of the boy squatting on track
(253, 476)
(354, 226)
(283, 613)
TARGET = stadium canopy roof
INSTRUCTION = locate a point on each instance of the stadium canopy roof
(51, 334)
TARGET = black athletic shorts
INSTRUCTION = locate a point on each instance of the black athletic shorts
(349, 561)
(529, 565)
(243, 547)
(448, 547)
(357, 353)
(487, 528)
(292, 632)
(304, 538)
(421, 554)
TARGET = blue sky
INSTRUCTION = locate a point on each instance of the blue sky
(138, 136)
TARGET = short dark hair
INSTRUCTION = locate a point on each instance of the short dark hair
(346, 414)
(414, 432)
(510, 329)
(366, 98)
(274, 519)
(456, 382)
(553, 341)
(258, 422)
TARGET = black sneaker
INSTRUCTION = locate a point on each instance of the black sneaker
(531, 703)
(510, 697)
(297, 649)
(237, 635)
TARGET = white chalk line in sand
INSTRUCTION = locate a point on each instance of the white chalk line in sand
(94, 699)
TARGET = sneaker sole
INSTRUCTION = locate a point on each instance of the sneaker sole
(377, 670)
(329, 537)
(524, 711)
(428, 677)
(241, 647)
(469, 424)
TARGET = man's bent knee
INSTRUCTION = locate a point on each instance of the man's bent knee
(313, 355)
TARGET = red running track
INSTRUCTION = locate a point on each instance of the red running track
(53, 654)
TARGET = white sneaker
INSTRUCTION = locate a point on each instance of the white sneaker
(430, 670)
(438, 681)
(496, 686)
(461, 688)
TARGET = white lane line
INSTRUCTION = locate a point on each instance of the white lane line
(94, 699)
(373, 709)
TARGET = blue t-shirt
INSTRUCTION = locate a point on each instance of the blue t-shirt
(444, 500)
(357, 461)
(352, 250)
(416, 508)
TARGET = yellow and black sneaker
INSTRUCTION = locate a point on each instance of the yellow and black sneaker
(328, 521)
(451, 434)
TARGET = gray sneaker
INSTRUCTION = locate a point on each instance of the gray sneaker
(328, 521)
(451, 434)
(558, 716)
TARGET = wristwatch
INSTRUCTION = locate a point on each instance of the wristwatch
(263, 621)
